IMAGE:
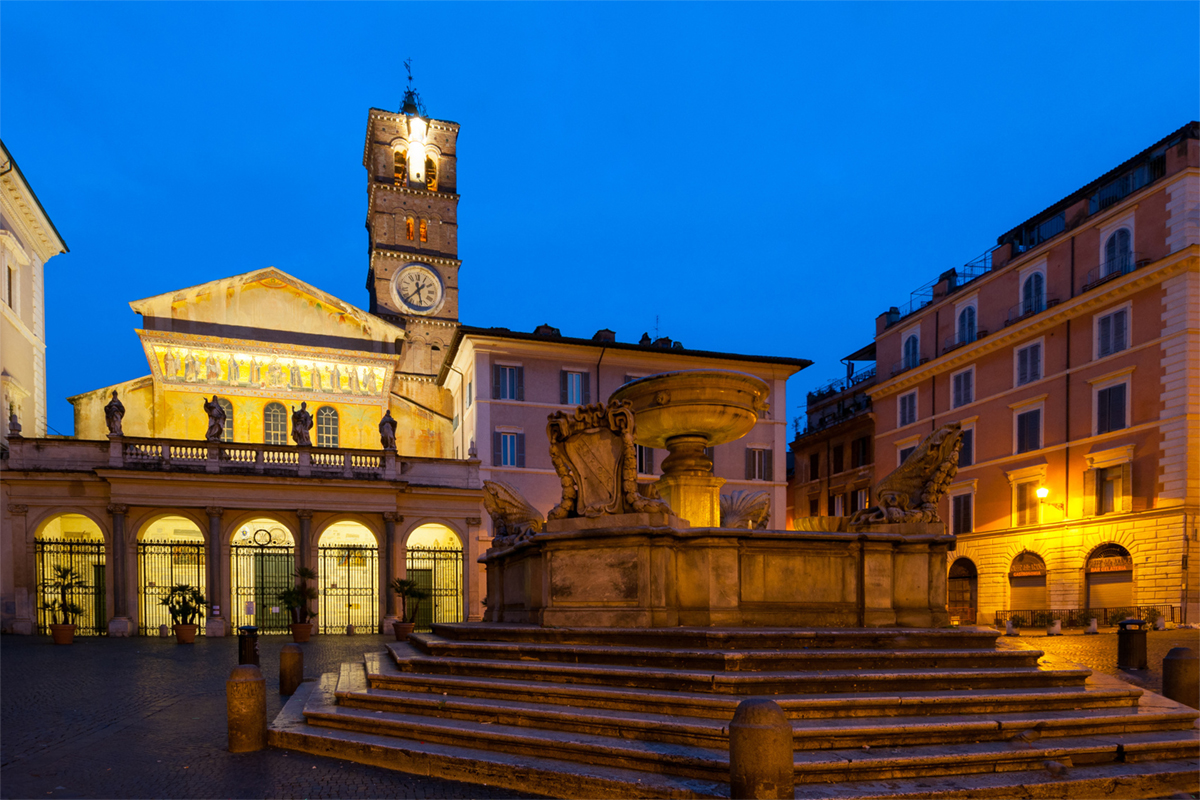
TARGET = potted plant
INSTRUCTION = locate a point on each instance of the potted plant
(186, 605)
(407, 590)
(296, 598)
(63, 611)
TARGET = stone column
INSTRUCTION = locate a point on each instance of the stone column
(121, 623)
(217, 623)
(390, 571)
(24, 582)
(302, 546)
(473, 579)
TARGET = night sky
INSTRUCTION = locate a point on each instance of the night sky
(759, 179)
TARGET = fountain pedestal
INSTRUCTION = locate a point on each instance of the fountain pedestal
(692, 497)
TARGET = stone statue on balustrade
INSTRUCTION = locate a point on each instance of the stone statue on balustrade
(387, 431)
(595, 457)
(911, 492)
(302, 423)
(114, 413)
(216, 420)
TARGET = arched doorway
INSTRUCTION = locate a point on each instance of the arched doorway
(963, 584)
(1110, 578)
(435, 562)
(1027, 585)
(170, 552)
(262, 562)
(348, 571)
(73, 541)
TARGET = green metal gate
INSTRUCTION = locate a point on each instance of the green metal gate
(260, 573)
(349, 588)
(161, 565)
(439, 572)
(87, 559)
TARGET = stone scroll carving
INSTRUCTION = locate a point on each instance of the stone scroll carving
(745, 510)
(514, 519)
(912, 491)
(596, 460)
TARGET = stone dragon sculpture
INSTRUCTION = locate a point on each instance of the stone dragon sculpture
(514, 519)
(911, 492)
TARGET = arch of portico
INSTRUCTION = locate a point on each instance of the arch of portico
(170, 550)
(75, 539)
(259, 562)
(351, 575)
(434, 556)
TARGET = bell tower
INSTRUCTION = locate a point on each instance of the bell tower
(412, 223)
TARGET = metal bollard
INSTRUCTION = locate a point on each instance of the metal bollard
(1181, 676)
(1131, 644)
(761, 752)
(291, 668)
(248, 645)
(246, 707)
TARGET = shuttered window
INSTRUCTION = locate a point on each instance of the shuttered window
(1110, 409)
(839, 459)
(908, 409)
(1033, 294)
(814, 466)
(860, 452)
(1027, 504)
(508, 383)
(964, 389)
(508, 449)
(1112, 334)
(1029, 364)
(912, 351)
(645, 460)
(1029, 431)
(960, 513)
(905, 453)
(574, 388)
(966, 453)
(759, 466)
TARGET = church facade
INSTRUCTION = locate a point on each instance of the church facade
(148, 493)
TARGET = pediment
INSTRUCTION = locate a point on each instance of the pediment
(263, 300)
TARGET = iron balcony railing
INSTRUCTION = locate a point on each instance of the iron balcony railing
(904, 365)
(1082, 617)
(1029, 308)
(841, 384)
(960, 339)
(834, 417)
(1114, 268)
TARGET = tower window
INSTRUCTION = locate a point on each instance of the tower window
(400, 167)
(327, 427)
(410, 228)
(431, 174)
(274, 424)
(424, 230)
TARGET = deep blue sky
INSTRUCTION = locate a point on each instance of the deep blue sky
(761, 178)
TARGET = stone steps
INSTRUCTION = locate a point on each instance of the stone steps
(725, 660)
(741, 683)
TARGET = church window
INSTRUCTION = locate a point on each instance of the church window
(424, 230)
(400, 167)
(327, 427)
(274, 424)
(227, 407)
(409, 229)
(431, 175)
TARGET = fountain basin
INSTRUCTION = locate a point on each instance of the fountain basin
(720, 405)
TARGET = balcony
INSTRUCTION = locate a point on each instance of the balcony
(905, 366)
(958, 340)
(1028, 308)
(1114, 268)
(842, 384)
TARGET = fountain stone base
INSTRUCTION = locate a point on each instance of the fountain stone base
(626, 571)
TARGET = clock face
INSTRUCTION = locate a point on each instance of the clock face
(418, 288)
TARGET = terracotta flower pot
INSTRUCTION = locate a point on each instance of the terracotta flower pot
(185, 634)
(301, 631)
(403, 629)
(63, 634)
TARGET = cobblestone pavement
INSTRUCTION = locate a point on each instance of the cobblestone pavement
(145, 717)
(1099, 652)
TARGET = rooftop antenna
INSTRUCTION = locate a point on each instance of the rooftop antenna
(412, 98)
(656, 326)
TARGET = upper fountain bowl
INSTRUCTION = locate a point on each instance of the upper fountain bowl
(720, 405)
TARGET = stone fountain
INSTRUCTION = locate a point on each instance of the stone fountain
(614, 553)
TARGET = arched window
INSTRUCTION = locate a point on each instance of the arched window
(431, 174)
(1033, 294)
(327, 427)
(409, 228)
(400, 167)
(424, 230)
(912, 351)
(1118, 253)
(227, 407)
(274, 424)
(966, 325)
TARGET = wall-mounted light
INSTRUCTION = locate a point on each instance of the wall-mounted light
(1043, 493)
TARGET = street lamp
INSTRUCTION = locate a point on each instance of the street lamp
(1043, 493)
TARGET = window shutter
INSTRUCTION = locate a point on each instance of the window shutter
(1105, 335)
(968, 388)
(520, 383)
(749, 464)
(1102, 411)
(497, 445)
(966, 454)
(1116, 408)
(495, 381)
(586, 380)
(650, 460)
(1022, 366)
(1022, 438)
(1089, 493)
(1118, 331)
(768, 465)
(562, 387)
(1125, 498)
(520, 450)
(1035, 362)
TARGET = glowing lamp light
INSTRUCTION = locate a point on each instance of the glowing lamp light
(1043, 493)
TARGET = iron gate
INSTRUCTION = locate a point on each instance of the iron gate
(349, 588)
(161, 565)
(260, 573)
(439, 572)
(87, 559)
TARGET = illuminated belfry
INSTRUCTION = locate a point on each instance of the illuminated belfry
(412, 222)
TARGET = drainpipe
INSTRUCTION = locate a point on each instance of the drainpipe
(601, 358)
